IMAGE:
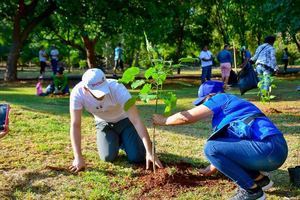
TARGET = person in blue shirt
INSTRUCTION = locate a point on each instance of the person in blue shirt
(244, 142)
(245, 55)
(225, 59)
(118, 59)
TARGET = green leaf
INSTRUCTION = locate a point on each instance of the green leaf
(146, 88)
(170, 102)
(129, 103)
(137, 83)
(272, 96)
(149, 72)
(129, 75)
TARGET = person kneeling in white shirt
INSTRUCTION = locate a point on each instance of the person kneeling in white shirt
(116, 128)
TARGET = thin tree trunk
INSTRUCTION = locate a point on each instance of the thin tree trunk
(90, 50)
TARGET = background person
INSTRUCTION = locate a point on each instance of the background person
(59, 84)
(285, 59)
(54, 53)
(118, 59)
(246, 56)
(43, 59)
(225, 59)
(206, 58)
(39, 87)
(116, 128)
(244, 141)
(265, 61)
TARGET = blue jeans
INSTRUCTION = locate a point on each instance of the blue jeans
(265, 73)
(241, 160)
(206, 74)
(113, 136)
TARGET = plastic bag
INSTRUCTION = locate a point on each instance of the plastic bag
(247, 79)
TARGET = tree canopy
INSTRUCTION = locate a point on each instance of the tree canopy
(89, 30)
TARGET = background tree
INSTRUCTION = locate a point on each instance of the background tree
(24, 17)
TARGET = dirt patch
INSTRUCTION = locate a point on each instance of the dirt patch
(272, 110)
(172, 180)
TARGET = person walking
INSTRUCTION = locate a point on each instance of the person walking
(244, 141)
(118, 59)
(265, 61)
(206, 58)
(43, 59)
(116, 128)
(225, 59)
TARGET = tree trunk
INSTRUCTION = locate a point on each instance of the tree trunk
(11, 69)
(90, 50)
(296, 41)
(21, 32)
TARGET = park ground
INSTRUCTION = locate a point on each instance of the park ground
(37, 151)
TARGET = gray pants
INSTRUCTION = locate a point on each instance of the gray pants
(113, 136)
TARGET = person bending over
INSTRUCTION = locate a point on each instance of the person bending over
(244, 141)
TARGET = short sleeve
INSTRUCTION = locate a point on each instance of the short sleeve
(121, 94)
(75, 100)
(216, 103)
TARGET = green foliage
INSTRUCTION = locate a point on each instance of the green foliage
(82, 64)
(265, 93)
(155, 77)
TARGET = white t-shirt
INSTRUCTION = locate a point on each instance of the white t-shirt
(54, 54)
(42, 56)
(110, 109)
(206, 55)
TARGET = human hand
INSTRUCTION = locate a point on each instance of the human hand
(159, 119)
(4, 132)
(208, 171)
(149, 159)
(77, 165)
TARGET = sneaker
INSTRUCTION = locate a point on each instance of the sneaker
(265, 183)
(242, 194)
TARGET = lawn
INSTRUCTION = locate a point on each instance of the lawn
(36, 153)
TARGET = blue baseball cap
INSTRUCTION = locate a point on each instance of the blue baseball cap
(207, 88)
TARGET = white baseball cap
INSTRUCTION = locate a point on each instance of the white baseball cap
(95, 81)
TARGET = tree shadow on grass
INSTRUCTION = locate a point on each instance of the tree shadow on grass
(50, 104)
(36, 182)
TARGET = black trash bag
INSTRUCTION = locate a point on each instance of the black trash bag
(233, 78)
(247, 79)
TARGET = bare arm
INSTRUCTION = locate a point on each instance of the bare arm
(135, 119)
(75, 135)
(183, 117)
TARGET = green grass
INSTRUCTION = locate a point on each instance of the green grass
(39, 138)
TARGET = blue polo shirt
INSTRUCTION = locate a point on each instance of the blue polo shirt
(227, 108)
(224, 56)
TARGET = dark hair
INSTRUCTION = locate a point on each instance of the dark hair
(119, 44)
(270, 39)
(60, 70)
(226, 45)
(286, 48)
